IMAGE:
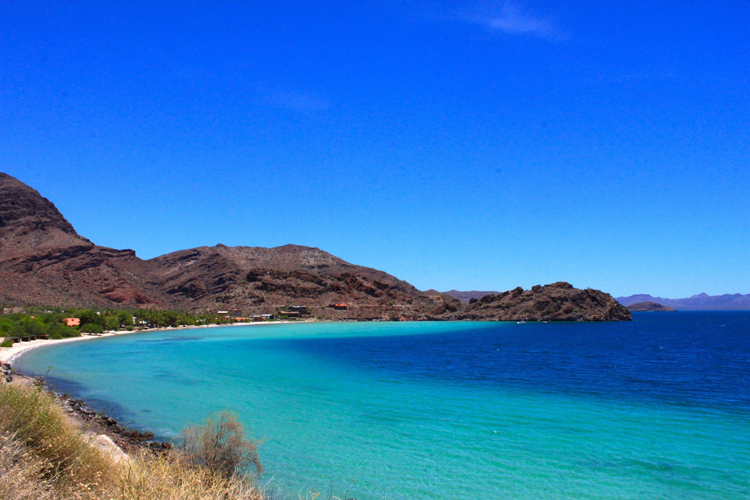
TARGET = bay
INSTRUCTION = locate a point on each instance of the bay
(654, 408)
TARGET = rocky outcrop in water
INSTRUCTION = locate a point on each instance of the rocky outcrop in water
(649, 307)
(556, 302)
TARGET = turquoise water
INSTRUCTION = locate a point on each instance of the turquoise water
(655, 408)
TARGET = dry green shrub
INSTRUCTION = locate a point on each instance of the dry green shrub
(220, 445)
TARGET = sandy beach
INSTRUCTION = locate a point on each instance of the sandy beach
(9, 354)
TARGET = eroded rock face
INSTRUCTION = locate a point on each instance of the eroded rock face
(556, 302)
(253, 280)
(44, 261)
(365, 296)
(31, 225)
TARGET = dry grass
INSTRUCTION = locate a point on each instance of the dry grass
(164, 478)
(44, 456)
(21, 475)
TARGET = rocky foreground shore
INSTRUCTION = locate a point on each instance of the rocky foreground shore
(86, 418)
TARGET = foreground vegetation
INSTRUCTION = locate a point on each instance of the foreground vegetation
(39, 321)
(44, 456)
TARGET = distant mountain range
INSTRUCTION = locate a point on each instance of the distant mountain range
(700, 302)
(44, 261)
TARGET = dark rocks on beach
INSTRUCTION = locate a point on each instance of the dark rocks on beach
(124, 437)
(98, 422)
(136, 436)
(157, 447)
(109, 422)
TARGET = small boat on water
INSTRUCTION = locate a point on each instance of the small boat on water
(522, 322)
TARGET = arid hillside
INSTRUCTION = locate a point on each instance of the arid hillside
(44, 261)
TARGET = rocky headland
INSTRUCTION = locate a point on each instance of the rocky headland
(556, 302)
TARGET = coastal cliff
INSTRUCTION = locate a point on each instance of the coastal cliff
(44, 261)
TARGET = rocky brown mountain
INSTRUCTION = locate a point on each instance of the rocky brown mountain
(31, 224)
(44, 261)
(253, 280)
(555, 302)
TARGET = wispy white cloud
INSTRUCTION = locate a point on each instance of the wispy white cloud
(293, 99)
(513, 20)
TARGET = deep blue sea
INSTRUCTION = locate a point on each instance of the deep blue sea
(656, 408)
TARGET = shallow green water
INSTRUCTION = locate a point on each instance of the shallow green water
(447, 410)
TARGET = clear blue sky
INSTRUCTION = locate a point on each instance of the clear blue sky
(469, 145)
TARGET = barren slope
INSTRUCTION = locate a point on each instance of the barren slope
(44, 261)
(258, 280)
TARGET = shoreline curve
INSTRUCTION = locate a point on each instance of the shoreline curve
(10, 354)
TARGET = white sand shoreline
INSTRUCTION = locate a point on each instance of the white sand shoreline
(10, 354)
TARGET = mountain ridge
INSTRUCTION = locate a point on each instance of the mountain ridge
(44, 261)
(697, 302)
